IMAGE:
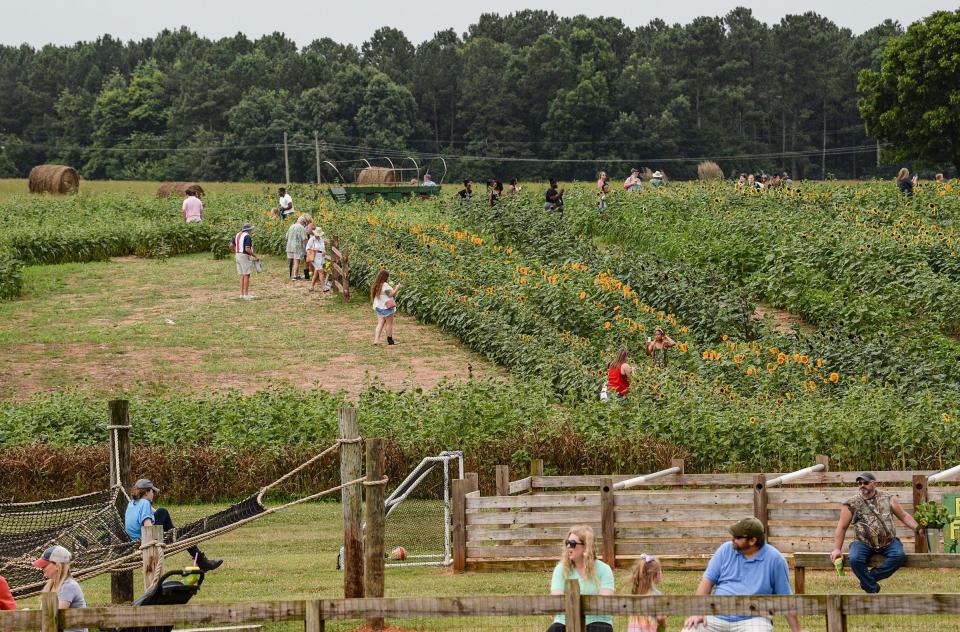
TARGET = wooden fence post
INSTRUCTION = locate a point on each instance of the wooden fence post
(760, 502)
(836, 619)
(607, 527)
(919, 496)
(118, 431)
(151, 539)
(573, 607)
(536, 469)
(459, 534)
(373, 532)
(49, 612)
(681, 464)
(313, 616)
(823, 459)
(471, 482)
(503, 480)
(351, 466)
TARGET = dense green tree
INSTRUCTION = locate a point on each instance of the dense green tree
(528, 84)
(913, 102)
(390, 52)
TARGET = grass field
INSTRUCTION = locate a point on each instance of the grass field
(292, 555)
(19, 186)
(157, 326)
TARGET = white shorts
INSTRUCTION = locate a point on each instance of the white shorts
(244, 263)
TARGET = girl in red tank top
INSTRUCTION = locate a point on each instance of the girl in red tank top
(618, 374)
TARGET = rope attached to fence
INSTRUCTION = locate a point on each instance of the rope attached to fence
(266, 488)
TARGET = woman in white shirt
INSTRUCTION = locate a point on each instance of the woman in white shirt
(383, 296)
(316, 245)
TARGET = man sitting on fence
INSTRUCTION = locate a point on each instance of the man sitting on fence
(746, 565)
(871, 512)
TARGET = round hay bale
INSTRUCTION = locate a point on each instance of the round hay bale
(54, 179)
(376, 175)
(167, 189)
(709, 170)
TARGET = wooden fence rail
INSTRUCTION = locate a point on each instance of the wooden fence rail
(679, 517)
(314, 612)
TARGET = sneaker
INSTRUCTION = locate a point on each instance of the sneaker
(248, 297)
(296, 278)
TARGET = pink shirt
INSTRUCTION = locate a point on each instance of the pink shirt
(192, 207)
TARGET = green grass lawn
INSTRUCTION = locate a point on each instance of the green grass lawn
(178, 325)
(20, 186)
(292, 555)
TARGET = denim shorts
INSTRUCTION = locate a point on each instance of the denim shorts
(385, 312)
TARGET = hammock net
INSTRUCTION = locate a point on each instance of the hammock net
(91, 527)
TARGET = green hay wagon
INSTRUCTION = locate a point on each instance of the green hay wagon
(385, 183)
(392, 192)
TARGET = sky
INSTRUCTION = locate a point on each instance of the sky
(68, 21)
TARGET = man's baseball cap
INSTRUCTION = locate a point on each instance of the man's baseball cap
(747, 528)
(146, 483)
(56, 554)
(866, 476)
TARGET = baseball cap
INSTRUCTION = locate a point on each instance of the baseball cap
(56, 554)
(246, 228)
(747, 528)
(866, 476)
(146, 483)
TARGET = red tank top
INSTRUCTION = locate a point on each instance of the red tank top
(617, 381)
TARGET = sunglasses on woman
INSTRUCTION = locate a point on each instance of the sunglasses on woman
(572, 544)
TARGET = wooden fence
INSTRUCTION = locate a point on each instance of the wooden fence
(316, 612)
(679, 517)
(339, 269)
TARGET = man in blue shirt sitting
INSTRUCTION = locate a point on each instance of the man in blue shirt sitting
(746, 565)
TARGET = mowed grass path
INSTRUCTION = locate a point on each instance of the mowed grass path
(178, 325)
(292, 555)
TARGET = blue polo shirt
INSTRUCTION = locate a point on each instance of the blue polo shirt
(137, 512)
(733, 574)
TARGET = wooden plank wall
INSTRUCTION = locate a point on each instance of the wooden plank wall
(662, 519)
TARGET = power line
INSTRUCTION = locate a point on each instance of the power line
(379, 152)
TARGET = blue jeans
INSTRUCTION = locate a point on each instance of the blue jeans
(893, 559)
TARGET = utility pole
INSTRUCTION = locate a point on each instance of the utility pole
(823, 158)
(316, 146)
(878, 153)
(286, 158)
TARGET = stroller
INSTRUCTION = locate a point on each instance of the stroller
(168, 593)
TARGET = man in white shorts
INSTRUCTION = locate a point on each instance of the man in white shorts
(746, 565)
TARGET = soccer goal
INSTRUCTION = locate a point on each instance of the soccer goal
(417, 514)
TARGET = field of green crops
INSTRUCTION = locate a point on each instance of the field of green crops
(868, 374)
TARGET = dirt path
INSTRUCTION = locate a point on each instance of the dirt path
(132, 324)
(783, 321)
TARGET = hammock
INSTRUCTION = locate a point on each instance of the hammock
(91, 527)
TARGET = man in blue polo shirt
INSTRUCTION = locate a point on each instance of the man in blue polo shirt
(746, 565)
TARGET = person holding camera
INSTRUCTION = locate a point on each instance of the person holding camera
(554, 197)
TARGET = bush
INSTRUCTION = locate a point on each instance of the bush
(11, 276)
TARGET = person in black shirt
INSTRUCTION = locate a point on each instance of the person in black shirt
(554, 198)
(467, 191)
(495, 192)
(905, 183)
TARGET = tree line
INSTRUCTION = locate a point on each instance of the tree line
(527, 86)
